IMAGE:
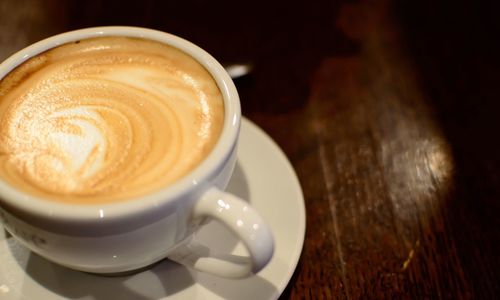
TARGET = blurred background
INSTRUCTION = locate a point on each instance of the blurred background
(276, 39)
(388, 111)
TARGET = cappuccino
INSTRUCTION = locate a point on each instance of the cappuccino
(106, 119)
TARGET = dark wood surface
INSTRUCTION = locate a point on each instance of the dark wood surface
(388, 110)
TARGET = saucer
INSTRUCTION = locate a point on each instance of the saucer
(262, 175)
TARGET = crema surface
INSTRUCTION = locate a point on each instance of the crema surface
(106, 119)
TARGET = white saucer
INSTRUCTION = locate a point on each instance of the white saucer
(263, 175)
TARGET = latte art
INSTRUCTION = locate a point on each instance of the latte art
(106, 119)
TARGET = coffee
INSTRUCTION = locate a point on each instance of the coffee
(106, 119)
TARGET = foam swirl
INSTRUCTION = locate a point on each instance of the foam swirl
(106, 119)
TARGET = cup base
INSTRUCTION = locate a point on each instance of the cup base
(125, 273)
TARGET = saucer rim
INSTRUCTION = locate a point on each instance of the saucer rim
(299, 245)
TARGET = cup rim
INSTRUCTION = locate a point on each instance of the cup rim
(198, 178)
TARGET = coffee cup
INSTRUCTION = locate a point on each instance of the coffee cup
(88, 179)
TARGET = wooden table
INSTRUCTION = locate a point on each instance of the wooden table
(388, 111)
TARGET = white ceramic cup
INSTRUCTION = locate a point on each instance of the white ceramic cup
(131, 234)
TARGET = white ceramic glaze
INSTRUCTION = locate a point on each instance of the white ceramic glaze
(262, 175)
(128, 235)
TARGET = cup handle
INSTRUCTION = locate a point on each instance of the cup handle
(243, 221)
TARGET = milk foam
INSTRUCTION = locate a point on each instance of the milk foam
(106, 119)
